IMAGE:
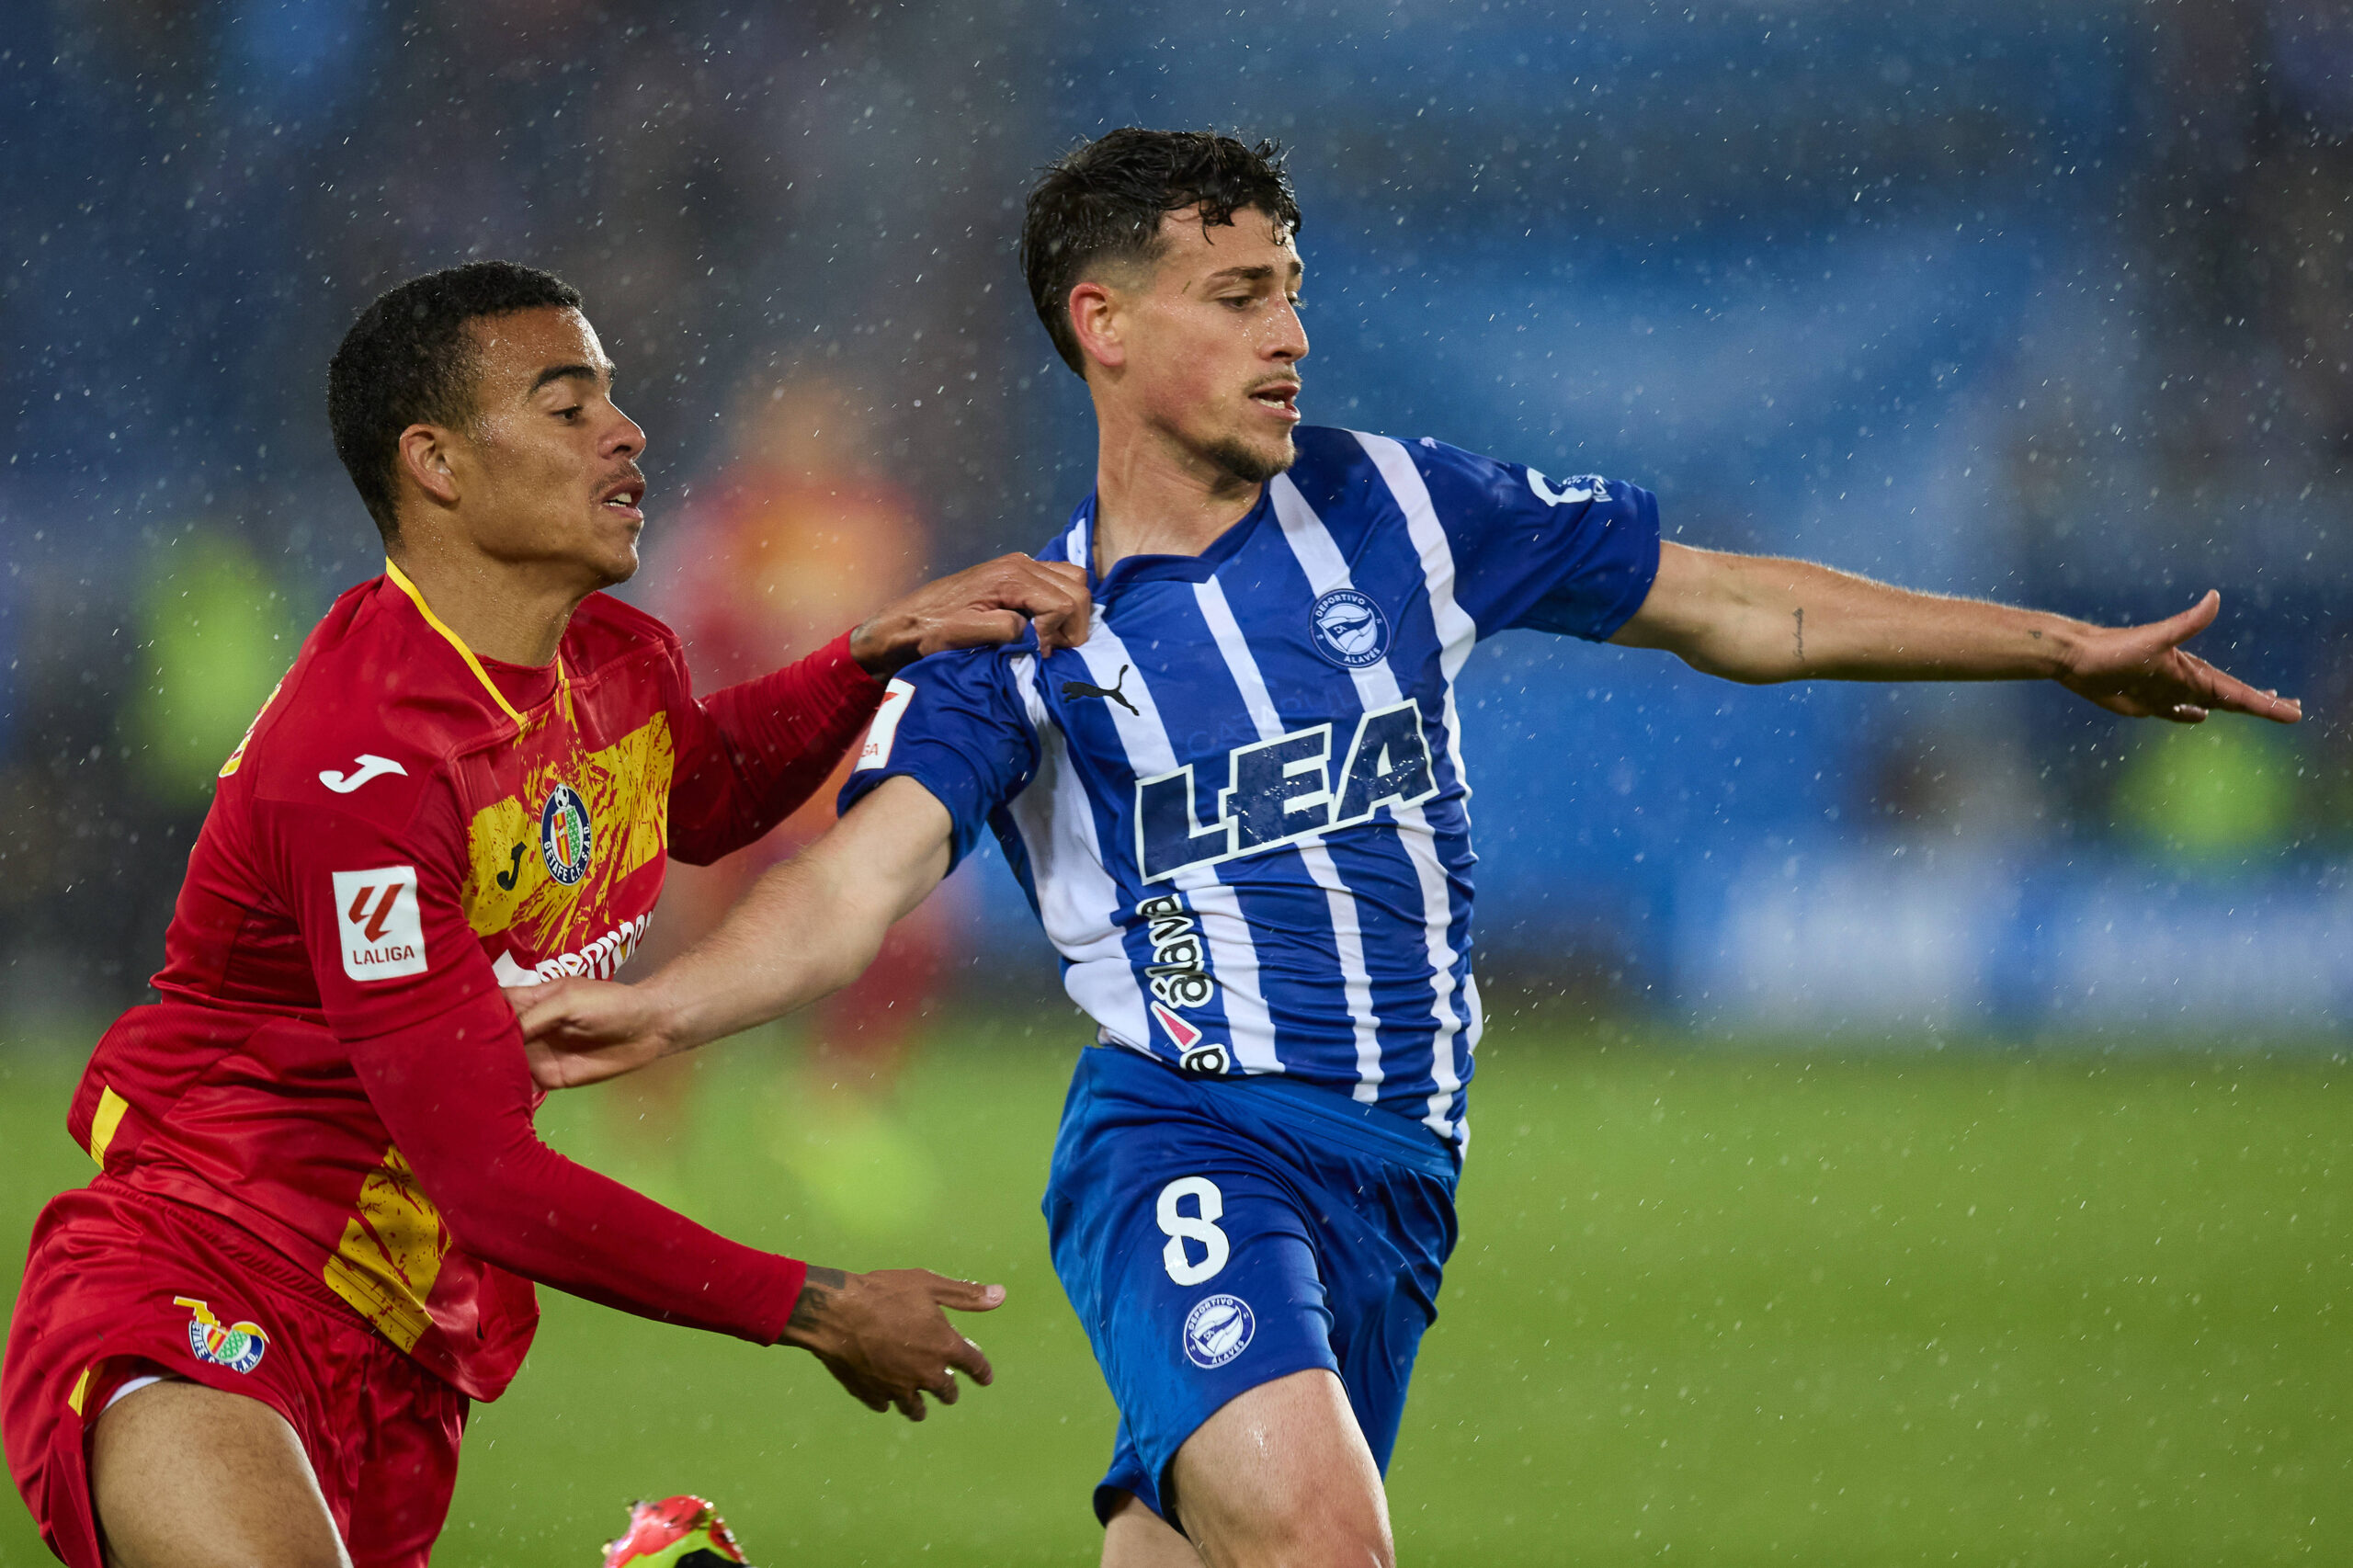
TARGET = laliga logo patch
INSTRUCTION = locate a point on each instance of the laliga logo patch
(383, 935)
(897, 697)
(1348, 629)
(1217, 1331)
(236, 1346)
(566, 836)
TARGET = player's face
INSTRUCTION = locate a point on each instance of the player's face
(555, 477)
(1215, 341)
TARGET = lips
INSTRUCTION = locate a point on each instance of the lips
(624, 496)
(1278, 398)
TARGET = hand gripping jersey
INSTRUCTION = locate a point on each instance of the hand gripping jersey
(1239, 809)
(406, 828)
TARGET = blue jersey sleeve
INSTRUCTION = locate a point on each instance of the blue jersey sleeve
(956, 725)
(1576, 556)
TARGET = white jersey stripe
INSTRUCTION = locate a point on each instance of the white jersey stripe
(1347, 935)
(1233, 955)
(1456, 632)
(1077, 899)
(1238, 658)
(1457, 635)
(1319, 557)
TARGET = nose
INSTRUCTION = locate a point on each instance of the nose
(1288, 340)
(626, 439)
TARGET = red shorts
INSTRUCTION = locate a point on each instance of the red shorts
(117, 1280)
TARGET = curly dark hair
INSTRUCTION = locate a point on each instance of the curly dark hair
(411, 359)
(1104, 202)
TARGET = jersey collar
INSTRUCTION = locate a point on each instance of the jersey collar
(1078, 545)
(399, 579)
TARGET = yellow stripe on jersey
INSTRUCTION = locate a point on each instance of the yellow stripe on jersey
(390, 1253)
(105, 1123)
(237, 758)
(626, 788)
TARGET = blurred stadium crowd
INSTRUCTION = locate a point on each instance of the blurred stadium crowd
(2052, 302)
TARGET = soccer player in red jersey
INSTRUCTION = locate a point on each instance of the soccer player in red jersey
(321, 1202)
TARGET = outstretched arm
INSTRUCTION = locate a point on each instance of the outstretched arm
(807, 928)
(1761, 618)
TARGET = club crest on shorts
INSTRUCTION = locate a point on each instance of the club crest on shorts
(1348, 629)
(236, 1346)
(566, 836)
(1217, 1330)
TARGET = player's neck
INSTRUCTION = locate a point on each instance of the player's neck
(515, 614)
(1154, 497)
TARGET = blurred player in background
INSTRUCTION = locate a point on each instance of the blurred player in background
(775, 553)
(772, 554)
(254, 1337)
(1240, 811)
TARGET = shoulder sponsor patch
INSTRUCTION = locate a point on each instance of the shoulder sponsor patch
(383, 934)
(876, 753)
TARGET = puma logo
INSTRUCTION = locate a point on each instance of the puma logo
(1075, 689)
(370, 766)
(506, 878)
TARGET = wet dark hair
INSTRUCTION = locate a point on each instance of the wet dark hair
(411, 359)
(1104, 202)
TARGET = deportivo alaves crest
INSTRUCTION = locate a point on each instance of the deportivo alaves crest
(1280, 790)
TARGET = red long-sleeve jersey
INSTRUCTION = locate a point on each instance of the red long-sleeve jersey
(406, 828)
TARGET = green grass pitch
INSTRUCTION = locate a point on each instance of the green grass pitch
(1740, 1306)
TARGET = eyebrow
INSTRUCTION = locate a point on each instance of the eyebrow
(1250, 274)
(599, 374)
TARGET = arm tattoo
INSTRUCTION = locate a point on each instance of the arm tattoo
(1799, 616)
(815, 1291)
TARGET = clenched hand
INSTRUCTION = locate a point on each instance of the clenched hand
(981, 604)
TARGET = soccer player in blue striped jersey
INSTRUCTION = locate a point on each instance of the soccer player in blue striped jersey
(1239, 811)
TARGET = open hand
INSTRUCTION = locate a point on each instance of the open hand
(2142, 672)
(584, 1031)
(885, 1336)
(993, 602)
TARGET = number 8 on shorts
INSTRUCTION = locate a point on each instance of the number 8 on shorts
(1199, 1227)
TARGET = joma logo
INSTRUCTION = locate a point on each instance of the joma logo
(1280, 790)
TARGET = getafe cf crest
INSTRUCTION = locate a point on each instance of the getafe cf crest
(566, 835)
(237, 1346)
(1348, 629)
(1217, 1330)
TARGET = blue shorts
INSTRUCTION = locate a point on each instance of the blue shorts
(1217, 1233)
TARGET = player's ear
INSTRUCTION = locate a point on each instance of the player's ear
(1096, 321)
(425, 457)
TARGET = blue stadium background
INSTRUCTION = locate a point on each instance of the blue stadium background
(2047, 302)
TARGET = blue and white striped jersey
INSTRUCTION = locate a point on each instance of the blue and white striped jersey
(1240, 809)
